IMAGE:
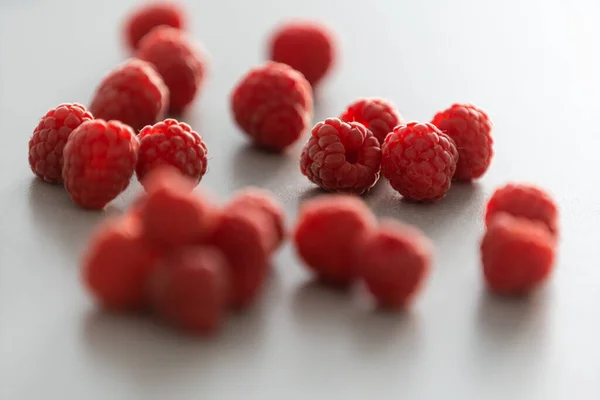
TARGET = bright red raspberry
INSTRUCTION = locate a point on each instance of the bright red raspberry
(133, 93)
(517, 254)
(341, 156)
(172, 143)
(49, 139)
(329, 233)
(99, 160)
(377, 115)
(147, 17)
(419, 161)
(470, 128)
(525, 201)
(395, 263)
(307, 47)
(272, 104)
(178, 60)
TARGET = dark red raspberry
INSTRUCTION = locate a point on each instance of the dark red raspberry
(49, 139)
(395, 263)
(133, 93)
(178, 60)
(172, 143)
(378, 115)
(517, 254)
(329, 233)
(307, 47)
(470, 128)
(273, 105)
(150, 16)
(419, 161)
(341, 156)
(99, 160)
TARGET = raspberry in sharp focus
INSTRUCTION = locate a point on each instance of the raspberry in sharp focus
(419, 161)
(146, 18)
(172, 143)
(99, 161)
(378, 115)
(49, 138)
(470, 128)
(133, 93)
(178, 60)
(341, 156)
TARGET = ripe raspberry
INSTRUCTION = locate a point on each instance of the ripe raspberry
(377, 115)
(99, 160)
(172, 143)
(419, 161)
(150, 16)
(517, 254)
(396, 260)
(133, 93)
(329, 232)
(525, 201)
(167, 176)
(272, 104)
(341, 156)
(470, 128)
(49, 139)
(178, 60)
(305, 46)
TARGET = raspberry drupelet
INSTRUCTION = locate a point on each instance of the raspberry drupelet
(145, 18)
(378, 115)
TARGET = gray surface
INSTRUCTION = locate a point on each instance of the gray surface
(533, 65)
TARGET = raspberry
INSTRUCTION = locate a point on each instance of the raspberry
(150, 16)
(517, 254)
(167, 176)
(419, 161)
(525, 201)
(99, 160)
(396, 260)
(470, 128)
(133, 93)
(272, 104)
(329, 232)
(378, 115)
(341, 156)
(305, 46)
(49, 139)
(178, 60)
(172, 143)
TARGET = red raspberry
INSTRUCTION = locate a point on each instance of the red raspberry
(148, 17)
(178, 60)
(273, 105)
(305, 46)
(99, 160)
(378, 115)
(396, 260)
(329, 232)
(470, 128)
(167, 176)
(517, 254)
(341, 156)
(49, 139)
(419, 161)
(133, 93)
(525, 201)
(172, 143)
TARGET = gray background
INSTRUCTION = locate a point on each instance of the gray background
(533, 65)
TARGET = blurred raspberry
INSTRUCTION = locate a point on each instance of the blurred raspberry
(149, 16)
(377, 115)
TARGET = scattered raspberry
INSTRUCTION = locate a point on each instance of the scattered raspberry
(517, 254)
(341, 156)
(146, 18)
(167, 176)
(172, 143)
(272, 104)
(378, 115)
(305, 46)
(178, 60)
(329, 233)
(49, 139)
(470, 128)
(99, 160)
(419, 161)
(133, 93)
